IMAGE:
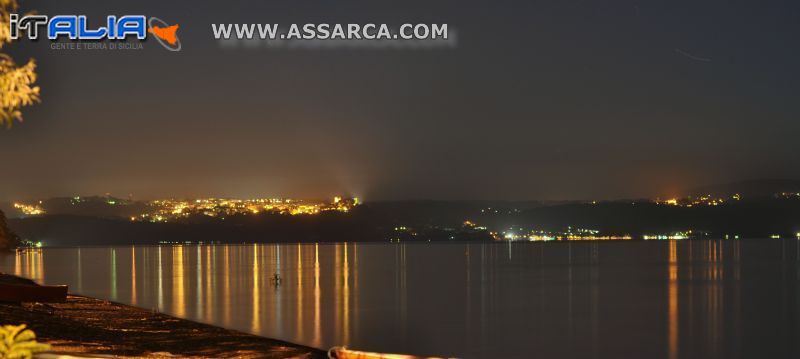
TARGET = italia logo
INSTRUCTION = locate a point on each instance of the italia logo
(75, 27)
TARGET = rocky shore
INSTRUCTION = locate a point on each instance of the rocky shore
(86, 326)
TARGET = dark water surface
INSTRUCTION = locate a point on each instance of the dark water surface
(666, 299)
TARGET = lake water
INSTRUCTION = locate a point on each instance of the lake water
(660, 299)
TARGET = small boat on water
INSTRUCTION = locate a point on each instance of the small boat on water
(18, 293)
(344, 353)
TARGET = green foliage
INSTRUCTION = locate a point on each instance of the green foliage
(16, 342)
(17, 83)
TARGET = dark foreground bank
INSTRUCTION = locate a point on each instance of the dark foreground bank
(88, 326)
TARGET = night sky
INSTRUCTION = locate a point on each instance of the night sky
(539, 100)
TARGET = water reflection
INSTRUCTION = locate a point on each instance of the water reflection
(30, 264)
(79, 273)
(226, 289)
(468, 300)
(256, 305)
(299, 289)
(160, 281)
(133, 275)
(673, 300)
(317, 342)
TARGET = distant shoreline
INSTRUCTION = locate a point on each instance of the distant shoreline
(705, 217)
(90, 326)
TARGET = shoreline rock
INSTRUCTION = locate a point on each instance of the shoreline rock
(89, 326)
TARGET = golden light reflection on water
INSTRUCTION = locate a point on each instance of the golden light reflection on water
(713, 295)
(133, 275)
(18, 265)
(337, 288)
(178, 293)
(276, 307)
(160, 282)
(226, 280)
(355, 294)
(299, 288)
(318, 300)
(199, 299)
(346, 300)
(256, 316)
(317, 341)
(39, 259)
(30, 264)
(208, 282)
(673, 300)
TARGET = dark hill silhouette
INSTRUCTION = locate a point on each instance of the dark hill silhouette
(363, 224)
(8, 240)
(759, 188)
(435, 221)
(746, 218)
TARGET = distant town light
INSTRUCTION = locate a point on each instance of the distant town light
(29, 209)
